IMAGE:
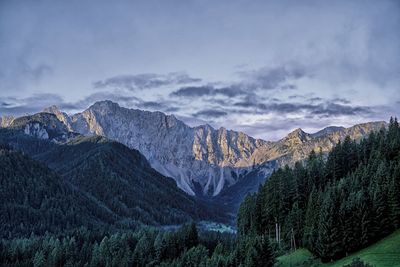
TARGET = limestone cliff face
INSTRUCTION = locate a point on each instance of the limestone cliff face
(37, 130)
(202, 160)
(5, 121)
(43, 125)
(61, 116)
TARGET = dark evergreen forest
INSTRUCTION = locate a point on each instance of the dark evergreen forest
(332, 205)
(142, 247)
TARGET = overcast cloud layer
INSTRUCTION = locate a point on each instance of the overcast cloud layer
(262, 67)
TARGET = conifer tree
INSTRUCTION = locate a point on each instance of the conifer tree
(381, 212)
(329, 244)
(311, 221)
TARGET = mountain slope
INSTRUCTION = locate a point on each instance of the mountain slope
(202, 160)
(122, 179)
(115, 177)
(35, 199)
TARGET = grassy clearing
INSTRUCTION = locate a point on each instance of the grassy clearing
(385, 253)
(301, 257)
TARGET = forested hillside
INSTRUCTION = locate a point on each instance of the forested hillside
(67, 182)
(331, 206)
(36, 200)
(122, 180)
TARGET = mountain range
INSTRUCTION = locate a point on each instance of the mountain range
(218, 164)
(201, 159)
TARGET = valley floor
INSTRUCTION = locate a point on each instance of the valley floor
(385, 253)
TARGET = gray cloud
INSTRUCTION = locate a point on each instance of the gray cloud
(182, 78)
(296, 97)
(315, 99)
(341, 100)
(288, 87)
(37, 102)
(324, 109)
(193, 91)
(5, 104)
(158, 105)
(123, 99)
(210, 113)
(268, 78)
(145, 80)
(17, 75)
(232, 91)
(209, 90)
(37, 72)
(264, 78)
(28, 105)
(333, 109)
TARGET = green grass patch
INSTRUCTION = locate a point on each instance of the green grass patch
(384, 253)
(301, 257)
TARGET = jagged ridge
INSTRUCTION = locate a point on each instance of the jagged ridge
(202, 160)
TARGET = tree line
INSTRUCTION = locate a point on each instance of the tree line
(331, 204)
(143, 247)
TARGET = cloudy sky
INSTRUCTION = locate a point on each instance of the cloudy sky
(261, 67)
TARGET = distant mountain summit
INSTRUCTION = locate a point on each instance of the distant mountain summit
(328, 130)
(202, 160)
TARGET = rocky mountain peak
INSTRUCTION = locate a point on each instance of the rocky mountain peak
(61, 116)
(204, 127)
(52, 109)
(105, 105)
(298, 136)
(297, 132)
(328, 130)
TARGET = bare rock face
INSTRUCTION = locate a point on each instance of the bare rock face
(61, 116)
(43, 126)
(5, 121)
(37, 130)
(201, 159)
